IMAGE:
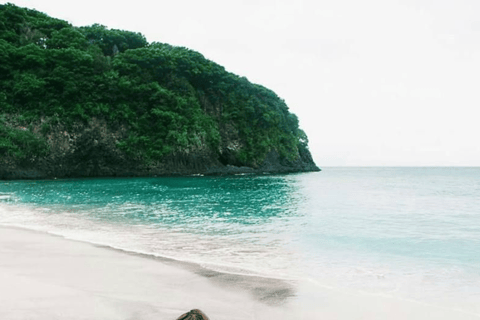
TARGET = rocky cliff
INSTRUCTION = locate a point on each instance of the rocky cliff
(92, 151)
(92, 101)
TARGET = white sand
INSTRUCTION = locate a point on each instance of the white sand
(45, 277)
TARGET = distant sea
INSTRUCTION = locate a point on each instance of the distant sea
(409, 233)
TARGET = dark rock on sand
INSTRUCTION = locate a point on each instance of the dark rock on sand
(194, 314)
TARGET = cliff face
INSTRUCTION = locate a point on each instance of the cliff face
(90, 101)
(92, 151)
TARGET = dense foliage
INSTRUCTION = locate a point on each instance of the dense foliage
(171, 99)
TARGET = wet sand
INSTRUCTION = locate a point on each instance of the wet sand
(45, 277)
(48, 277)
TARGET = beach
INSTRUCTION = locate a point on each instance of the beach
(48, 277)
(348, 244)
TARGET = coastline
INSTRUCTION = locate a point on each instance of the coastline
(47, 277)
(218, 170)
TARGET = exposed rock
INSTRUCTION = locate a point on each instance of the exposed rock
(91, 150)
(194, 314)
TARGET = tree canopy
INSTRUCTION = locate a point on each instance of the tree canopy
(171, 99)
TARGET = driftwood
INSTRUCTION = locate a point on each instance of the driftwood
(194, 314)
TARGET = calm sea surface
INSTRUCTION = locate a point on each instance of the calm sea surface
(411, 233)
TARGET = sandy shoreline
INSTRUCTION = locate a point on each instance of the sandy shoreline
(49, 277)
(43, 276)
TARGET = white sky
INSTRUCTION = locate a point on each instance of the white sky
(373, 82)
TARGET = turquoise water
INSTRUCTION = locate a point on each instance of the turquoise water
(405, 232)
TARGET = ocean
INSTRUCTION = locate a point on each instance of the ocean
(406, 233)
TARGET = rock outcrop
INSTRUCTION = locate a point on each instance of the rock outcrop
(194, 314)
(92, 151)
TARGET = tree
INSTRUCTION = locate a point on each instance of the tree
(67, 38)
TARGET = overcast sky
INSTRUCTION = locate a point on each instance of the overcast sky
(373, 82)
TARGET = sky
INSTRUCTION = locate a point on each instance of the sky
(373, 82)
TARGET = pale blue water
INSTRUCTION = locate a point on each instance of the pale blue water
(405, 232)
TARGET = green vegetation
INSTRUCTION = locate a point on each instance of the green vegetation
(170, 99)
(21, 143)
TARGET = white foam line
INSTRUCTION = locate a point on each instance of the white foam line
(206, 265)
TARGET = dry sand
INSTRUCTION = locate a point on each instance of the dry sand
(46, 277)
